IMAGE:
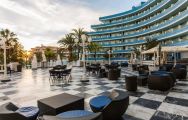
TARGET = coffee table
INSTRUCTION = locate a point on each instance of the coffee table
(60, 103)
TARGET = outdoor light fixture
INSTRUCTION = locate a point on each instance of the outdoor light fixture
(109, 53)
(3, 45)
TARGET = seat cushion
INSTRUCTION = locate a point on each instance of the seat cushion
(28, 112)
(74, 114)
(98, 103)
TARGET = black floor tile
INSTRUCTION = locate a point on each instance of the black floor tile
(159, 115)
(147, 103)
(10, 92)
(177, 101)
(82, 89)
(105, 88)
(128, 117)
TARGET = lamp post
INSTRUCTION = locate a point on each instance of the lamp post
(109, 53)
(141, 57)
(3, 44)
(83, 44)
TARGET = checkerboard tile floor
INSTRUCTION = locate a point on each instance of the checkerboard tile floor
(29, 86)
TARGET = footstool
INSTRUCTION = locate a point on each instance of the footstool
(131, 83)
(142, 80)
(60, 103)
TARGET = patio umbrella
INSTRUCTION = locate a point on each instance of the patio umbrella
(34, 62)
(58, 62)
(51, 63)
(43, 57)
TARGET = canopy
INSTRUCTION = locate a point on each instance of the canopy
(167, 49)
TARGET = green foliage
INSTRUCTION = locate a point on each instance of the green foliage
(150, 43)
(136, 50)
(68, 41)
(39, 56)
(50, 54)
(15, 51)
(60, 52)
(94, 47)
(77, 33)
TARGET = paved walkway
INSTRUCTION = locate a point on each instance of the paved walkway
(29, 86)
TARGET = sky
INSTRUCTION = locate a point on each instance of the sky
(45, 22)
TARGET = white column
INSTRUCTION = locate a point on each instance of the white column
(154, 59)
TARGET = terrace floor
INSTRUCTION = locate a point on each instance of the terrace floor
(29, 86)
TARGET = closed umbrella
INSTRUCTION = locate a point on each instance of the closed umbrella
(34, 62)
(58, 62)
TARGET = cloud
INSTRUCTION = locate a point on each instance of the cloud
(46, 21)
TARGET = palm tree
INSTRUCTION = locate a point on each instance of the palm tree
(10, 38)
(136, 50)
(68, 41)
(61, 52)
(49, 53)
(150, 43)
(77, 33)
(39, 56)
(94, 47)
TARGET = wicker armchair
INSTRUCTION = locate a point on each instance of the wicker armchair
(8, 111)
(117, 107)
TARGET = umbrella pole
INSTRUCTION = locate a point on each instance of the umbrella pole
(175, 59)
(154, 59)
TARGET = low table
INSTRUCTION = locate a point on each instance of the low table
(131, 83)
(60, 103)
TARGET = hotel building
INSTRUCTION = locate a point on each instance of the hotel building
(163, 20)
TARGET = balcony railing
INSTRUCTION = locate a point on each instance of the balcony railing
(114, 52)
(112, 59)
(184, 43)
(154, 9)
(182, 17)
(175, 33)
(145, 23)
(124, 44)
(138, 8)
(161, 37)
